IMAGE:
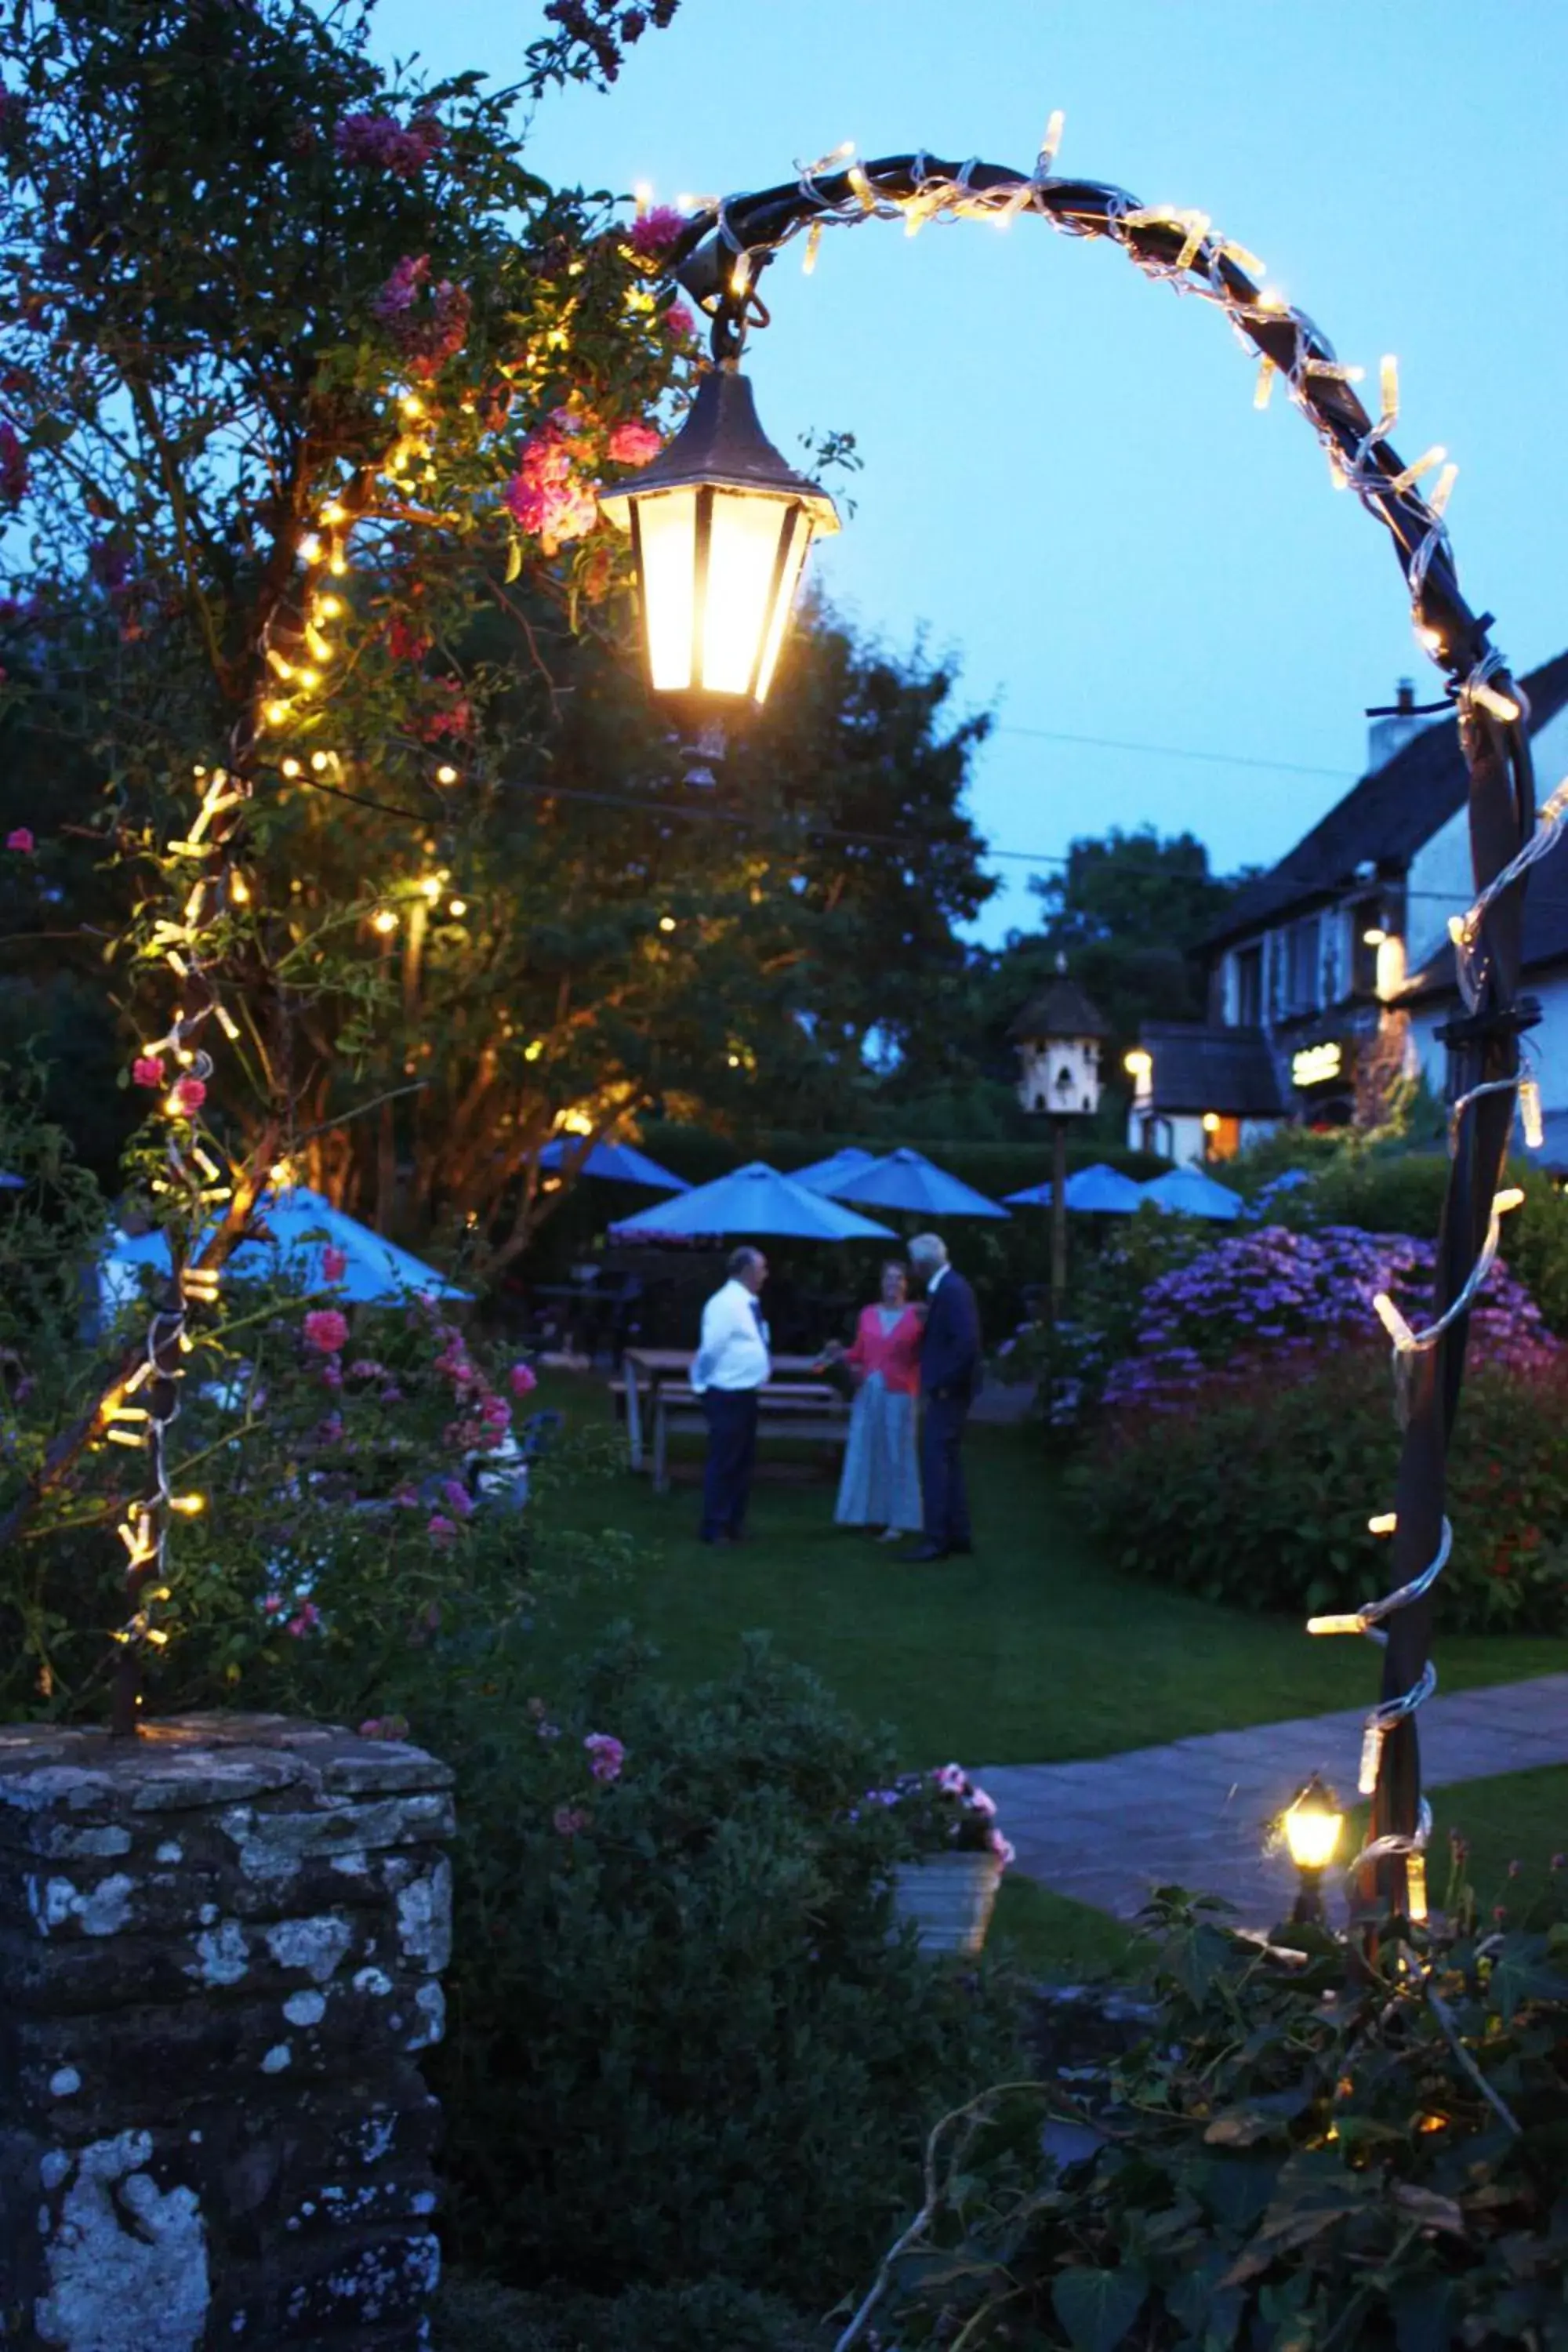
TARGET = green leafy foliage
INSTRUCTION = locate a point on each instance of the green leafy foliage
(1297, 2158)
(1259, 1496)
(685, 2040)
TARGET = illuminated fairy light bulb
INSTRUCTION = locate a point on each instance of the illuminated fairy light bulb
(813, 241)
(1498, 705)
(458, 908)
(1388, 389)
(1267, 372)
(1529, 1115)
(446, 775)
(334, 513)
(642, 196)
(276, 663)
(385, 922)
(431, 886)
(338, 565)
(532, 1052)
(309, 679)
(201, 1284)
(190, 1506)
(276, 714)
(667, 923)
(331, 608)
(740, 277)
(411, 405)
(1050, 145)
(291, 766)
(320, 761)
(311, 548)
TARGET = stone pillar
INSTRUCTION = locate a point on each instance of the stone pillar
(220, 1954)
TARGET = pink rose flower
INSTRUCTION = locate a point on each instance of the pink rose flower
(525, 1380)
(440, 1530)
(680, 322)
(633, 445)
(606, 1756)
(655, 231)
(327, 1329)
(334, 1263)
(952, 1778)
(21, 840)
(190, 1094)
(147, 1070)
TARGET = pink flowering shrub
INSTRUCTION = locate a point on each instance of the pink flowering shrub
(20, 840)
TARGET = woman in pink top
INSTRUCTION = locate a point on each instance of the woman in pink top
(881, 1483)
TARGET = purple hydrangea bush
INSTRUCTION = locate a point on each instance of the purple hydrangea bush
(1278, 1301)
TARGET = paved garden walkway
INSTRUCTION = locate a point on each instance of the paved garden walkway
(1193, 1813)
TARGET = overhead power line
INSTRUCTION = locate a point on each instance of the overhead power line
(1170, 751)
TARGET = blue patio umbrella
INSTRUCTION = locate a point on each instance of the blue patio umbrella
(9, 1183)
(1099, 1191)
(753, 1200)
(302, 1226)
(823, 1175)
(907, 1179)
(619, 1163)
(1193, 1194)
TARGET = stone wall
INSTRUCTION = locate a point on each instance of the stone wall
(220, 1956)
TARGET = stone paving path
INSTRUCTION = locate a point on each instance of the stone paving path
(1193, 1813)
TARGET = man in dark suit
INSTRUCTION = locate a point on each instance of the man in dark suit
(950, 1381)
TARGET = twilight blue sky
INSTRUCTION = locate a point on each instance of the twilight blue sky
(1066, 482)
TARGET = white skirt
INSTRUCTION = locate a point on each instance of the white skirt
(881, 1483)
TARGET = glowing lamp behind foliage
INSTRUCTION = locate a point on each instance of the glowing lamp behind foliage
(721, 526)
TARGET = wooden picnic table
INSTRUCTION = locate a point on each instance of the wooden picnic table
(785, 1409)
(644, 1369)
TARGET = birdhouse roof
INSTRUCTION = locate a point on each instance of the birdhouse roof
(1060, 1009)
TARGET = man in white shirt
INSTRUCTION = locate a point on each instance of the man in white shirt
(729, 1368)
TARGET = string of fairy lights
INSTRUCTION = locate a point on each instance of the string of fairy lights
(718, 258)
(207, 1196)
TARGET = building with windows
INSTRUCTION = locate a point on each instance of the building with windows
(1332, 974)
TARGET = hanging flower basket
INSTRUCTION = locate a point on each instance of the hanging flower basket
(950, 1897)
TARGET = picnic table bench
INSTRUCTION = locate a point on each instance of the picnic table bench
(644, 1371)
(785, 1408)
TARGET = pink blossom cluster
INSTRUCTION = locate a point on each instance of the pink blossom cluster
(606, 1756)
(632, 443)
(306, 1618)
(654, 232)
(484, 1418)
(429, 323)
(147, 1070)
(405, 641)
(383, 143)
(326, 1329)
(548, 497)
(20, 839)
(453, 713)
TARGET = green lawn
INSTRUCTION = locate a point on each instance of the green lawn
(1034, 1651)
(1031, 1651)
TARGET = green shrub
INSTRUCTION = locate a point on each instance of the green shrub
(476, 2316)
(683, 2041)
(1295, 2160)
(1260, 1496)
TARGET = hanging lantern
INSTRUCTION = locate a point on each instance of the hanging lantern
(720, 526)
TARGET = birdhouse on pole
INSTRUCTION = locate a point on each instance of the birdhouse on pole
(1057, 1037)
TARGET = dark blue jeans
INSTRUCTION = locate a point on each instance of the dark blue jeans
(944, 1495)
(731, 1415)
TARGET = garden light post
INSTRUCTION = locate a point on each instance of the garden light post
(1056, 1039)
(717, 255)
(1312, 1825)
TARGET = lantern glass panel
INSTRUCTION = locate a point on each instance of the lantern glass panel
(743, 559)
(667, 546)
(783, 603)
